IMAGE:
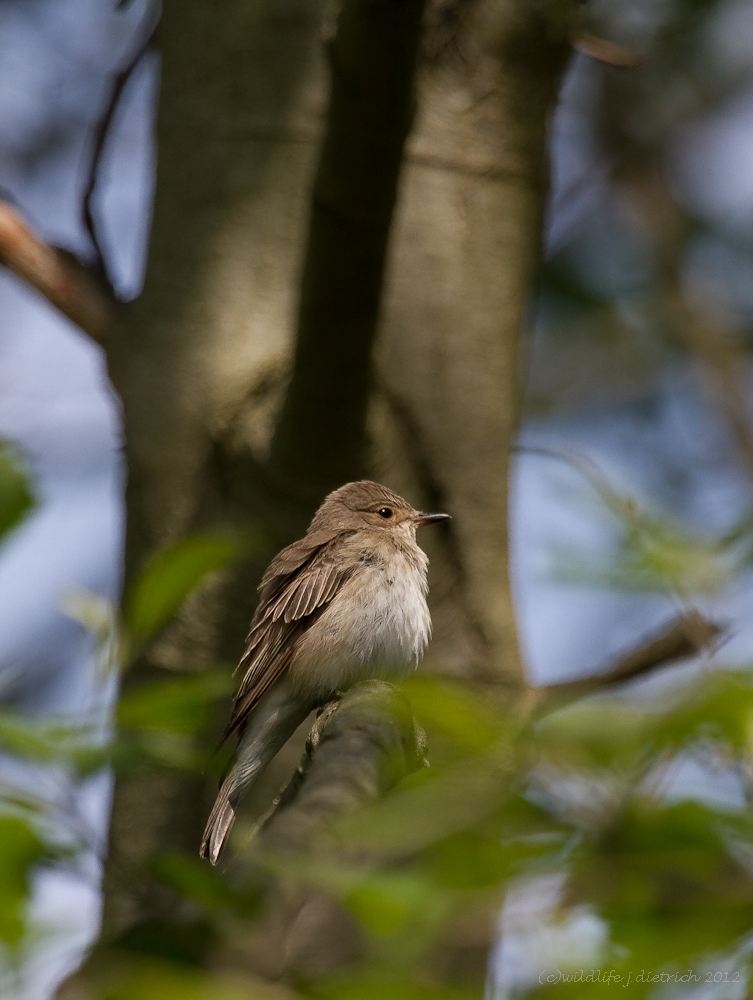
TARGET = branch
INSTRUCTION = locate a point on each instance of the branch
(56, 273)
(684, 636)
(361, 746)
(607, 52)
(102, 130)
(358, 749)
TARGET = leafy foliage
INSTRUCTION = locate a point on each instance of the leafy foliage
(173, 573)
(20, 850)
(510, 796)
(16, 499)
(654, 550)
(23, 846)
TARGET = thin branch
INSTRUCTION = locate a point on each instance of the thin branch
(101, 132)
(56, 273)
(686, 635)
(607, 52)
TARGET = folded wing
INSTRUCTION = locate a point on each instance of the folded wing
(296, 588)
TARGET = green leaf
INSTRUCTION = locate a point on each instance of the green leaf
(171, 575)
(372, 987)
(472, 722)
(412, 818)
(15, 496)
(20, 849)
(651, 558)
(470, 860)
(161, 748)
(595, 732)
(126, 975)
(677, 935)
(181, 704)
(196, 880)
(64, 739)
(387, 902)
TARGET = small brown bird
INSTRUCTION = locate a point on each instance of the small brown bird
(345, 603)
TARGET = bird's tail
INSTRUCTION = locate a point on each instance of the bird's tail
(218, 825)
(273, 722)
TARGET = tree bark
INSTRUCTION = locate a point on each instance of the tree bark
(467, 243)
(241, 104)
(320, 437)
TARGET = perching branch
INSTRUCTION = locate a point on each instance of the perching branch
(57, 274)
(357, 750)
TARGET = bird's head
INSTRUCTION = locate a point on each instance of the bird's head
(366, 504)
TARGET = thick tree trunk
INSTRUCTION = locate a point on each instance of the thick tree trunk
(241, 106)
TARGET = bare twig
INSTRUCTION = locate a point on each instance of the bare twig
(607, 52)
(686, 635)
(57, 274)
(102, 130)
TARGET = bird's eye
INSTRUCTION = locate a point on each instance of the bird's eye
(384, 512)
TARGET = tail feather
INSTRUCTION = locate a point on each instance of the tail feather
(273, 722)
(218, 826)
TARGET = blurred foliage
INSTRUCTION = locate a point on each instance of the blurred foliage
(576, 792)
(24, 843)
(21, 849)
(512, 794)
(654, 550)
(173, 573)
(15, 494)
(156, 728)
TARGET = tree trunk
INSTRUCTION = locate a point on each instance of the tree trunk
(466, 247)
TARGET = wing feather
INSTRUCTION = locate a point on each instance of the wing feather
(300, 581)
(305, 593)
(318, 589)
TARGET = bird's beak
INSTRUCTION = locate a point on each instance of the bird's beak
(422, 518)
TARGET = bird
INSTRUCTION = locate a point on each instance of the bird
(345, 603)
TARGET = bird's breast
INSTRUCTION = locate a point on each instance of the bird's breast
(378, 622)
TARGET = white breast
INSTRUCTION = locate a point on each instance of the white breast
(379, 622)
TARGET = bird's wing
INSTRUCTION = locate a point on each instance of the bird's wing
(299, 583)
